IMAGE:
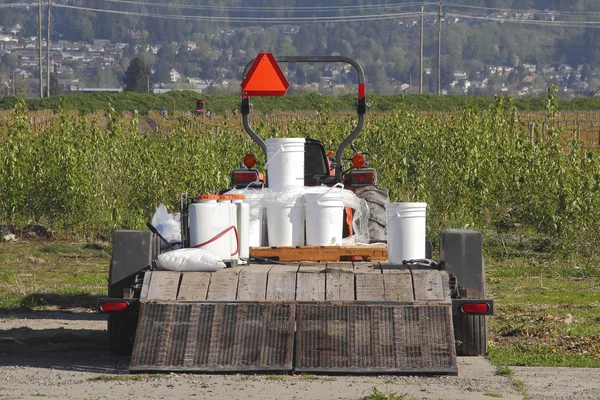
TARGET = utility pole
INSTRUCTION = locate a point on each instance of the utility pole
(421, 57)
(40, 48)
(48, 52)
(439, 66)
(14, 85)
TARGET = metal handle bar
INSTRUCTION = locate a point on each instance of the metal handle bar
(361, 105)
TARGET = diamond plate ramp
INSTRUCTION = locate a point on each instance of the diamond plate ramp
(214, 337)
(375, 338)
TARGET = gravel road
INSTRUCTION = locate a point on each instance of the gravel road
(57, 354)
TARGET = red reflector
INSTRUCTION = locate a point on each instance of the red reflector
(471, 308)
(244, 177)
(249, 160)
(358, 160)
(362, 178)
(110, 306)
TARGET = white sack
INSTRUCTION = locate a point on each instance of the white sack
(189, 260)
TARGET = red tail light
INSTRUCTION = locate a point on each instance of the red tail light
(244, 176)
(475, 308)
(362, 177)
(113, 306)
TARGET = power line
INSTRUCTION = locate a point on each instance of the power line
(565, 24)
(271, 9)
(277, 20)
(509, 10)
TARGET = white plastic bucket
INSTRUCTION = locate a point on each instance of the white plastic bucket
(207, 220)
(406, 231)
(285, 224)
(324, 218)
(257, 218)
(255, 227)
(242, 224)
(285, 162)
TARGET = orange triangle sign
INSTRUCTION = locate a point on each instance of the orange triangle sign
(265, 78)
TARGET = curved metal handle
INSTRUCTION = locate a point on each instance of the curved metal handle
(361, 105)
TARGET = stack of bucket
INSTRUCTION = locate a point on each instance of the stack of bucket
(286, 216)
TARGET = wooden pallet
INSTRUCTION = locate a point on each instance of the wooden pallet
(322, 253)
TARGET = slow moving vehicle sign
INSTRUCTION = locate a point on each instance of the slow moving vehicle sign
(265, 78)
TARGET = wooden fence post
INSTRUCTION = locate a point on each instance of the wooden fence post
(531, 131)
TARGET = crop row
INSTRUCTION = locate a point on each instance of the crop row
(481, 169)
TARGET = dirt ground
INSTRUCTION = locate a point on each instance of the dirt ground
(58, 354)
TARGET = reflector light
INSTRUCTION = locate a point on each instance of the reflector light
(241, 177)
(112, 306)
(358, 160)
(249, 160)
(362, 178)
(475, 308)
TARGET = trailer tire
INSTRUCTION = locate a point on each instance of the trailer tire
(376, 199)
(470, 334)
(121, 333)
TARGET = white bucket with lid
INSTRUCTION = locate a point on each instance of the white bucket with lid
(285, 162)
(406, 226)
(285, 224)
(324, 218)
(211, 228)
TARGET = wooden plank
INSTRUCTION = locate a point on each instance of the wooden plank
(320, 253)
(164, 285)
(223, 284)
(146, 285)
(339, 282)
(194, 286)
(252, 283)
(369, 282)
(310, 282)
(427, 284)
(398, 285)
(281, 283)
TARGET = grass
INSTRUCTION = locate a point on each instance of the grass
(115, 378)
(491, 394)
(546, 305)
(376, 394)
(311, 377)
(35, 275)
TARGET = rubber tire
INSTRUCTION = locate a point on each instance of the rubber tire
(121, 333)
(471, 331)
(470, 334)
(376, 199)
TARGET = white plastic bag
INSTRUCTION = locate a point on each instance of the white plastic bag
(167, 225)
(189, 260)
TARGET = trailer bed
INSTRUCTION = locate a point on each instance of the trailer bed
(351, 317)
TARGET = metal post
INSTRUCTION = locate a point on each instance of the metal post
(40, 48)
(421, 57)
(439, 66)
(48, 52)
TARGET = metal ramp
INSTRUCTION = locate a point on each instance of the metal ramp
(325, 318)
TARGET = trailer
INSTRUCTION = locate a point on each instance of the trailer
(319, 309)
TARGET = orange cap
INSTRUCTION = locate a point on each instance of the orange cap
(238, 196)
(225, 197)
(207, 197)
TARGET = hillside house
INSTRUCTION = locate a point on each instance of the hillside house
(175, 76)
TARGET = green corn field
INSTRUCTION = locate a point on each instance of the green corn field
(489, 170)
